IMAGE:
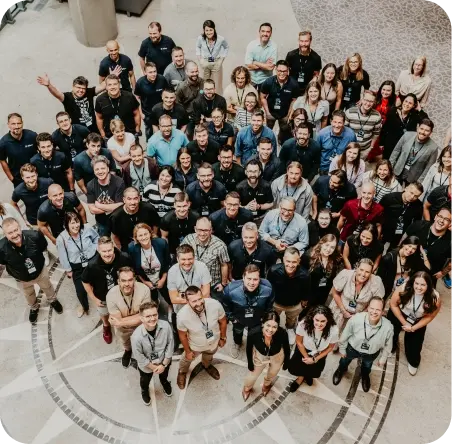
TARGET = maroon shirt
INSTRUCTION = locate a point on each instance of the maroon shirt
(356, 216)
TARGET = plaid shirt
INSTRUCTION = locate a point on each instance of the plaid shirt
(213, 254)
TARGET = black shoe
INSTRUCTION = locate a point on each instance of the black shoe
(294, 386)
(308, 381)
(337, 376)
(167, 388)
(365, 382)
(57, 306)
(126, 357)
(33, 316)
(146, 398)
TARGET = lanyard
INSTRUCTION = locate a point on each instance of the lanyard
(248, 301)
(367, 212)
(267, 347)
(414, 307)
(313, 114)
(360, 123)
(441, 183)
(287, 191)
(365, 332)
(206, 325)
(152, 340)
(147, 260)
(428, 239)
(141, 179)
(162, 196)
(129, 307)
(356, 296)
(402, 267)
(402, 120)
(199, 256)
(208, 46)
(303, 64)
(279, 228)
(414, 152)
(335, 141)
(316, 344)
(183, 277)
(327, 93)
(115, 108)
(240, 99)
(80, 249)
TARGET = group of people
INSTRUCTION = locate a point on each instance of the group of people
(227, 220)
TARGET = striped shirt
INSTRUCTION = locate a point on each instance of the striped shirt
(381, 189)
(163, 202)
(365, 126)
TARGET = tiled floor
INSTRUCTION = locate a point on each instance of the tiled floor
(60, 383)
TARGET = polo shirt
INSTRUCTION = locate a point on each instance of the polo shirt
(174, 76)
(356, 216)
(122, 107)
(256, 52)
(247, 141)
(438, 198)
(280, 97)
(54, 168)
(187, 92)
(308, 156)
(263, 257)
(81, 111)
(82, 165)
(107, 64)
(223, 135)
(165, 151)
(117, 301)
(334, 200)
(73, 144)
(178, 115)
(54, 217)
(159, 53)
(176, 228)
(18, 152)
(122, 223)
(204, 107)
(228, 229)
(209, 155)
(331, 145)
(302, 67)
(230, 178)
(262, 193)
(195, 324)
(365, 126)
(32, 199)
(150, 93)
(206, 203)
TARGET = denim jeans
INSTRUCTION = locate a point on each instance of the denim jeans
(366, 360)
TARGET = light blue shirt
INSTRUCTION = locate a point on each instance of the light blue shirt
(256, 52)
(219, 49)
(331, 145)
(246, 142)
(165, 151)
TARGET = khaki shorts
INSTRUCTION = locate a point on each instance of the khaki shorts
(103, 310)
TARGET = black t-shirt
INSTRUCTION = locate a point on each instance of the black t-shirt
(437, 248)
(106, 194)
(55, 168)
(231, 178)
(262, 193)
(199, 156)
(302, 67)
(32, 199)
(83, 168)
(352, 88)
(263, 256)
(227, 229)
(334, 200)
(81, 111)
(18, 152)
(279, 98)
(178, 115)
(150, 93)
(54, 217)
(122, 107)
(358, 252)
(222, 136)
(125, 63)
(73, 144)
(122, 223)
(159, 53)
(103, 277)
(438, 198)
(316, 232)
(206, 203)
(177, 229)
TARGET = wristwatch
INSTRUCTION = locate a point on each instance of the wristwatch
(222, 339)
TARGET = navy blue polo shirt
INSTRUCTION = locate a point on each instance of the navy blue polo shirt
(32, 199)
(82, 165)
(124, 62)
(18, 152)
(221, 136)
(262, 193)
(55, 168)
(150, 93)
(73, 144)
(227, 229)
(206, 203)
(230, 178)
(159, 53)
(279, 98)
(179, 116)
(334, 200)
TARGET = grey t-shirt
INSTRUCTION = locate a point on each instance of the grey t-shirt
(141, 177)
(175, 75)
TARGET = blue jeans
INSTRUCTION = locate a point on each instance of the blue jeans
(366, 360)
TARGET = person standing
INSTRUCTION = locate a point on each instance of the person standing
(123, 304)
(211, 50)
(270, 165)
(205, 103)
(7, 211)
(22, 254)
(353, 78)
(226, 171)
(268, 346)
(17, 147)
(175, 72)
(367, 336)
(169, 107)
(152, 346)
(120, 142)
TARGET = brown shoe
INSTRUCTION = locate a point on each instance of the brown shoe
(213, 372)
(266, 389)
(246, 394)
(181, 379)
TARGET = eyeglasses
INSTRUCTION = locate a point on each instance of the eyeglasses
(287, 210)
(282, 71)
(201, 230)
(445, 219)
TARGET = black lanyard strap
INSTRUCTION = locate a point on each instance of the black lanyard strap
(365, 332)
(206, 325)
(129, 307)
(190, 278)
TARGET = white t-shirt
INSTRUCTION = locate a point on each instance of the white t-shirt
(313, 344)
(150, 264)
(123, 150)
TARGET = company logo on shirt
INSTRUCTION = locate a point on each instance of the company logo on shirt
(27, 146)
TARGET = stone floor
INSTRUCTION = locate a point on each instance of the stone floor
(60, 383)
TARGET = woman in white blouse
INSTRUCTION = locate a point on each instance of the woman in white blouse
(438, 174)
(120, 143)
(316, 108)
(350, 162)
(416, 81)
(7, 210)
(383, 178)
(211, 50)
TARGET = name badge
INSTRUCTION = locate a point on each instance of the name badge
(254, 213)
(116, 117)
(348, 95)
(365, 346)
(407, 167)
(30, 266)
(277, 104)
(398, 231)
(301, 77)
(141, 190)
(174, 122)
(351, 307)
(204, 211)
(328, 205)
(211, 59)
(313, 354)
(154, 356)
(400, 281)
(110, 281)
(209, 334)
(322, 282)
(411, 319)
(249, 312)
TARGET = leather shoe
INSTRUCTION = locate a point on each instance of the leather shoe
(337, 376)
(266, 389)
(246, 394)
(365, 381)
(181, 380)
(309, 381)
(212, 371)
(294, 386)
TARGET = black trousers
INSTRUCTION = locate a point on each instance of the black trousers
(237, 331)
(145, 378)
(413, 341)
(77, 271)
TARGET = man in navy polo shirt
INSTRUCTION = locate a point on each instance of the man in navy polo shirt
(17, 147)
(52, 163)
(226, 171)
(112, 61)
(156, 48)
(277, 94)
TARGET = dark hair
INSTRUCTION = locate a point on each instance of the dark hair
(226, 148)
(258, 113)
(333, 260)
(414, 97)
(309, 320)
(205, 165)
(183, 150)
(334, 83)
(148, 305)
(282, 62)
(377, 298)
(80, 80)
(417, 185)
(342, 175)
(177, 48)
(61, 114)
(169, 169)
(168, 89)
(184, 249)
(445, 150)
(252, 94)
(155, 25)
(239, 70)
(430, 300)
(264, 140)
(149, 65)
(414, 262)
(303, 126)
(254, 162)
(192, 290)
(266, 24)
(292, 250)
(427, 122)
(338, 113)
(126, 269)
(43, 137)
(11, 115)
(251, 268)
(389, 179)
(270, 316)
(392, 97)
(69, 217)
(233, 195)
(342, 162)
(372, 228)
(209, 24)
(92, 137)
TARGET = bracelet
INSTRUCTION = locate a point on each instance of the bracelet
(222, 339)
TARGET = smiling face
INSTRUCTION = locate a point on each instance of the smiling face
(291, 262)
(217, 117)
(151, 73)
(209, 91)
(250, 103)
(16, 126)
(252, 173)
(265, 151)
(193, 73)
(408, 104)
(205, 177)
(375, 310)
(196, 302)
(30, 179)
(293, 176)
(418, 66)
(282, 73)
(367, 193)
(56, 195)
(13, 233)
(251, 281)
(240, 79)
(442, 220)
(225, 159)
(270, 328)
(386, 91)
(337, 125)
(366, 238)
(304, 43)
(166, 127)
(203, 230)
(363, 273)
(106, 252)
(137, 157)
(186, 261)
(209, 32)
(368, 102)
(202, 138)
(101, 171)
(302, 135)
(420, 285)
(79, 90)
(149, 318)
(168, 99)
(313, 94)
(264, 34)
(178, 58)
(328, 248)
(324, 220)
(257, 122)
(232, 206)
(74, 226)
(113, 87)
(113, 50)
(352, 154)
(144, 237)
(249, 239)
(383, 172)
(126, 282)
(119, 134)
(165, 179)
(408, 249)
(446, 159)
(353, 64)
(185, 161)
(329, 74)
(131, 201)
(181, 209)
(423, 133)
(64, 122)
(286, 210)
(154, 34)
(320, 322)
(45, 148)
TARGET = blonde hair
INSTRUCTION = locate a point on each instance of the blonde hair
(346, 69)
(116, 124)
(424, 62)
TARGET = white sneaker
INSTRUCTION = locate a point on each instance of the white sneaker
(235, 350)
(292, 336)
(412, 370)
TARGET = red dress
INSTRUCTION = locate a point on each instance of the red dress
(383, 108)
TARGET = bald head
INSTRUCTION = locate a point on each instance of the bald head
(113, 49)
(55, 193)
(367, 193)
